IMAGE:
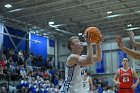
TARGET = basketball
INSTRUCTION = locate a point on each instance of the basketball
(95, 34)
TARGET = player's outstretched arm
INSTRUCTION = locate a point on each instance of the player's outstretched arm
(132, 39)
(130, 52)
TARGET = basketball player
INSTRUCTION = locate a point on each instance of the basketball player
(87, 83)
(130, 52)
(73, 79)
(124, 78)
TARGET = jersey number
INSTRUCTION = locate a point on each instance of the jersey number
(125, 79)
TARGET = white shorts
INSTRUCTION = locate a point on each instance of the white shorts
(73, 89)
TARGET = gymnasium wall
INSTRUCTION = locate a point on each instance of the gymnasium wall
(44, 47)
(62, 52)
(15, 38)
(20, 44)
(40, 47)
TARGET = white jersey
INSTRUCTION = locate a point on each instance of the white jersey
(73, 80)
(86, 85)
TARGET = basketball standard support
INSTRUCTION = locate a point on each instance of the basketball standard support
(11, 39)
(24, 38)
(36, 41)
(1, 38)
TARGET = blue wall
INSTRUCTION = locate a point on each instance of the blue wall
(39, 48)
(121, 55)
(100, 65)
(7, 42)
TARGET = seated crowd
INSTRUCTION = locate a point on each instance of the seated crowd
(34, 75)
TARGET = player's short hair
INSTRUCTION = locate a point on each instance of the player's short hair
(70, 41)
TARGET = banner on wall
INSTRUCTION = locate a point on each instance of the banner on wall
(51, 43)
(38, 48)
(121, 55)
(100, 65)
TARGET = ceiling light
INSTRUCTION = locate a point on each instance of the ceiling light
(8, 5)
(111, 16)
(45, 34)
(51, 23)
(79, 34)
(130, 25)
(32, 31)
(37, 32)
(15, 10)
(109, 12)
(137, 11)
(134, 28)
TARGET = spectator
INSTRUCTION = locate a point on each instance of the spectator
(29, 60)
(60, 82)
(23, 72)
(3, 90)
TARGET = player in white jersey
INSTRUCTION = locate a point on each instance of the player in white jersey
(73, 79)
(87, 83)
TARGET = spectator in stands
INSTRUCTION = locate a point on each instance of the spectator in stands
(49, 63)
(100, 90)
(11, 52)
(3, 89)
(23, 90)
(3, 62)
(60, 82)
(12, 89)
(1, 72)
(45, 75)
(18, 71)
(10, 60)
(23, 72)
(1, 69)
(95, 90)
(29, 60)
(20, 57)
(55, 82)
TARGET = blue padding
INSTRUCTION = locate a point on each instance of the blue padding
(100, 65)
(121, 55)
